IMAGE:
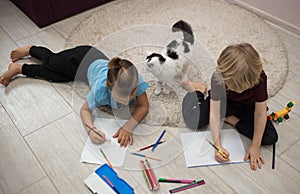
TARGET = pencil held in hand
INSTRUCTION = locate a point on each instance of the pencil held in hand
(97, 140)
(220, 151)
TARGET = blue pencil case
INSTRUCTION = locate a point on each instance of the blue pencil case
(106, 180)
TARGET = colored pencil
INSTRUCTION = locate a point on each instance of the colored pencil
(92, 129)
(156, 143)
(148, 174)
(145, 175)
(152, 176)
(189, 186)
(172, 180)
(222, 153)
(110, 184)
(143, 155)
(149, 146)
(108, 162)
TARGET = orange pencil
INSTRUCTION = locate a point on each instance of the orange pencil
(145, 175)
(108, 162)
(152, 176)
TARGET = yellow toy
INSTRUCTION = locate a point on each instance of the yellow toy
(282, 114)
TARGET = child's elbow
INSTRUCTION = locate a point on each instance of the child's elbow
(146, 108)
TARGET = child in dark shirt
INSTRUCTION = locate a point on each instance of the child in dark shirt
(239, 96)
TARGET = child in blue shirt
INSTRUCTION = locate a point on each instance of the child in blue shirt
(112, 82)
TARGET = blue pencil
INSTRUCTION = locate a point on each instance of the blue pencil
(142, 155)
(156, 143)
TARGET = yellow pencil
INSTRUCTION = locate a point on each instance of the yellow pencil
(220, 151)
(108, 162)
(145, 175)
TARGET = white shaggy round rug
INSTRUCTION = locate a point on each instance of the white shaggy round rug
(215, 24)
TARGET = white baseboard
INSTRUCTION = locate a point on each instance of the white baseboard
(271, 18)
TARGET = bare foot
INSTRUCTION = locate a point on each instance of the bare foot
(19, 53)
(232, 120)
(13, 69)
(193, 86)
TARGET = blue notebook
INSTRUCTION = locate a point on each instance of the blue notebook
(105, 180)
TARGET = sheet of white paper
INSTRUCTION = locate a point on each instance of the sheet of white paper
(116, 155)
(198, 152)
(96, 184)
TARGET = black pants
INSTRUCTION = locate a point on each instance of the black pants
(63, 66)
(195, 110)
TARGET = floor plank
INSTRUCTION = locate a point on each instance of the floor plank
(281, 180)
(18, 166)
(16, 23)
(56, 150)
(7, 45)
(291, 156)
(43, 186)
(48, 38)
(29, 100)
(4, 3)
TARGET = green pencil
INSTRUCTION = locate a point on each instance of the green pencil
(106, 158)
(222, 153)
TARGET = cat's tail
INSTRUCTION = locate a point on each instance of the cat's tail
(186, 29)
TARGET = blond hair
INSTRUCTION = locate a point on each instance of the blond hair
(122, 75)
(240, 67)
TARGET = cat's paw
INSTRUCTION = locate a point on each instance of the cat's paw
(157, 92)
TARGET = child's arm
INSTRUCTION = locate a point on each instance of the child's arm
(260, 119)
(124, 134)
(96, 135)
(215, 126)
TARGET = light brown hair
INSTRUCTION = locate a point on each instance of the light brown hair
(240, 67)
(122, 75)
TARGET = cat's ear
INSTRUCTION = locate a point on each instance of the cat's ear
(172, 54)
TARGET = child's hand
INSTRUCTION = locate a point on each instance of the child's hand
(219, 156)
(255, 157)
(123, 137)
(97, 136)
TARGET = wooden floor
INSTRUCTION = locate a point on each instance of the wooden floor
(40, 145)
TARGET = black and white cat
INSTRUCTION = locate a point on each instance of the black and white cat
(170, 66)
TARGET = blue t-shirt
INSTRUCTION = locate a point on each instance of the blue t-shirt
(100, 94)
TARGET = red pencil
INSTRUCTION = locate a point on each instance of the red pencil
(149, 146)
(152, 176)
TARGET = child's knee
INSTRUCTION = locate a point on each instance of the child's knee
(193, 114)
(269, 140)
(270, 137)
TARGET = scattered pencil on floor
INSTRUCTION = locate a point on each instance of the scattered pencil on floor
(189, 186)
(172, 180)
(149, 175)
(108, 162)
(149, 146)
(150, 185)
(156, 143)
(143, 155)
(152, 175)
